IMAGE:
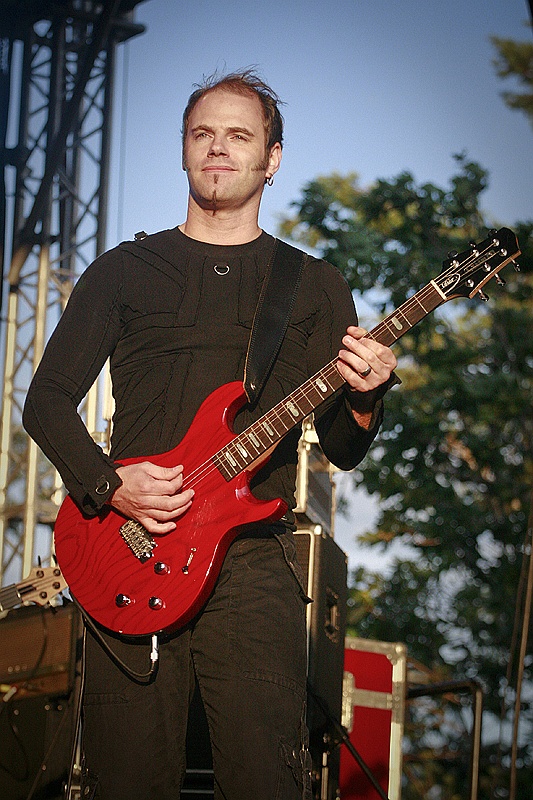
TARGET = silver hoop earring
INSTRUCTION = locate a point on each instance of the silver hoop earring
(270, 180)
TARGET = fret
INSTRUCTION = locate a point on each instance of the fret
(425, 308)
(226, 463)
(280, 420)
(234, 456)
(268, 429)
(242, 449)
(254, 441)
(412, 311)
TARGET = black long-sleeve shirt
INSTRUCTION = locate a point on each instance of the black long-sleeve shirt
(175, 329)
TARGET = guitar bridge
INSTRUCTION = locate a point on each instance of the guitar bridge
(138, 539)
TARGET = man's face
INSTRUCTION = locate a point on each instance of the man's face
(225, 152)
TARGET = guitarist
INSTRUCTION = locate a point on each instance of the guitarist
(174, 312)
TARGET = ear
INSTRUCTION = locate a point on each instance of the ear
(274, 160)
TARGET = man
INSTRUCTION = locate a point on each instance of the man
(174, 313)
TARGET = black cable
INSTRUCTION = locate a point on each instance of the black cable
(139, 677)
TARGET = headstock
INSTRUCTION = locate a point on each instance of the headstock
(464, 274)
(39, 587)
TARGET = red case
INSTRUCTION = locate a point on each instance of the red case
(373, 713)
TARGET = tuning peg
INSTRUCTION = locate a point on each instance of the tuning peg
(500, 281)
(453, 254)
(483, 296)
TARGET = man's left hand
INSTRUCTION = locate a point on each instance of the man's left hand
(364, 363)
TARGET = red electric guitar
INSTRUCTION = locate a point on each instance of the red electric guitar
(39, 587)
(134, 583)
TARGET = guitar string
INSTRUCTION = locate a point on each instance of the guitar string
(468, 266)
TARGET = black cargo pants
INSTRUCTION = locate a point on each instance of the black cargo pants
(247, 650)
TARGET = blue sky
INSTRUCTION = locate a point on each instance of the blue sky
(370, 86)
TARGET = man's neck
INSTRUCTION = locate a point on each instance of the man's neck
(220, 228)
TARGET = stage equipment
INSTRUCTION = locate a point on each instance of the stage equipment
(56, 95)
(39, 683)
(325, 569)
(315, 489)
(374, 692)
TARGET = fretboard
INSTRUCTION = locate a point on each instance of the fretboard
(267, 431)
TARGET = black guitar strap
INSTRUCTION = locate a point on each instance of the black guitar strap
(271, 319)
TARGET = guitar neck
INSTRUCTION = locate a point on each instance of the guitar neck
(264, 434)
(408, 315)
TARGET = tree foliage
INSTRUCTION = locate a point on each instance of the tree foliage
(452, 467)
(515, 60)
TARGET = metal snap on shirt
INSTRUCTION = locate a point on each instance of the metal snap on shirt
(102, 486)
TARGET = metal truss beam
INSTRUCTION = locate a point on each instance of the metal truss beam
(56, 91)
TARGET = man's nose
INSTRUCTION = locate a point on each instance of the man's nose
(218, 146)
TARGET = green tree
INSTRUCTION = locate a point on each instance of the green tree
(452, 467)
(515, 60)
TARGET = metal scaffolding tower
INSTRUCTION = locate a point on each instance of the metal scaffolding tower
(56, 92)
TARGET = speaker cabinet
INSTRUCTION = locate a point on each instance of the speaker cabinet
(38, 680)
(326, 570)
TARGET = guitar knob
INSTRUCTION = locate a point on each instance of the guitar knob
(161, 568)
(122, 600)
(155, 603)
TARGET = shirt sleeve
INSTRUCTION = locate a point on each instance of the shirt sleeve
(84, 338)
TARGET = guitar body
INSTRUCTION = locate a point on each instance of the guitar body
(136, 596)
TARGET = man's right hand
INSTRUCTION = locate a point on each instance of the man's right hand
(152, 495)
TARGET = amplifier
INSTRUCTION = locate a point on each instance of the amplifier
(37, 647)
(38, 651)
(325, 568)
